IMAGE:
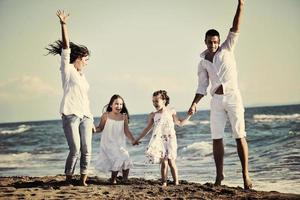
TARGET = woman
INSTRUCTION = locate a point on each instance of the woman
(75, 110)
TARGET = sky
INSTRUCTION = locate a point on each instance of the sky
(140, 46)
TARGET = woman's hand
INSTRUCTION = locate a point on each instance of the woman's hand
(62, 16)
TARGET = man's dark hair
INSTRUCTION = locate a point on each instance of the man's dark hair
(211, 33)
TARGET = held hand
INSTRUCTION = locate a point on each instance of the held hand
(135, 142)
(192, 110)
(62, 16)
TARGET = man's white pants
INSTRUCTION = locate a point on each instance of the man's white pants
(223, 107)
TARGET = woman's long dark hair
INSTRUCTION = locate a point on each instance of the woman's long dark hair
(77, 51)
(124, 110)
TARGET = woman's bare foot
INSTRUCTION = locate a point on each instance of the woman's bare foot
(68, 180)
(83, 183)
(83, 178)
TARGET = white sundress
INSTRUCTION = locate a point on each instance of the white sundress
(163, 143)
(113, 155)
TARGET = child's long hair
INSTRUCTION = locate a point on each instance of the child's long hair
(77, 51)
(124, 110)
(163, 95)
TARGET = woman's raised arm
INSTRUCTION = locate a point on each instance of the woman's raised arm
(63, 21)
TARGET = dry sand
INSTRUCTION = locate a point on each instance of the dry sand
(52, 187)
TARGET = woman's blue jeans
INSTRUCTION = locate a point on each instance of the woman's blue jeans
(78, 133)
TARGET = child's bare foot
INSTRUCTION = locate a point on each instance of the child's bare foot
(219, 180)
(176, 182)
(247, 182)
(112, 181)
(125, 181)
(164, 184)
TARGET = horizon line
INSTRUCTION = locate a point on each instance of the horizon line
(246, 107)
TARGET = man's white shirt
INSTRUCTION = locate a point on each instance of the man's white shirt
(222, 71)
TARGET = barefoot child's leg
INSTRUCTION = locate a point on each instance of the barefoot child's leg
(164, 172)
(113, 179)
(174, 171)
(125, 175)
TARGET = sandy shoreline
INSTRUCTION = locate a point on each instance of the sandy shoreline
(52, 187)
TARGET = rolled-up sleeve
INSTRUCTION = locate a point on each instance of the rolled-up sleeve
(203, 80)
(230, 41)
(64, 67)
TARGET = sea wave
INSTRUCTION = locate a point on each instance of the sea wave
(202, 148)
(20, 129)
(189, 123)
(204, 122)
(15, 157)
(271, 118)
(25, 160)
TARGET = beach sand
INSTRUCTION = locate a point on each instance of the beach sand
(52, 187)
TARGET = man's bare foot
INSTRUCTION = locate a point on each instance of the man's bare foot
(219, 180)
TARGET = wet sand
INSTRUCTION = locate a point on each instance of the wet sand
(53, 187)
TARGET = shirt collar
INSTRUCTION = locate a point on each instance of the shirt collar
(203, 54)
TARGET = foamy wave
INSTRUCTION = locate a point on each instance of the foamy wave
(15, 157)
(205, 122)
(22, 128)
(189, 123)
(202, 148)
(270, 118)
(285, 186)
(23, 160)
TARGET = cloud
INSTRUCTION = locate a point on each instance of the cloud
(26, 87)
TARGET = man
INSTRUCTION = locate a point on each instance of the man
(218, 65)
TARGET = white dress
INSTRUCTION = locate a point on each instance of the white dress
(163, 143)
(113, 155)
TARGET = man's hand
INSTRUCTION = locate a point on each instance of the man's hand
(135, 142)
(192, 109)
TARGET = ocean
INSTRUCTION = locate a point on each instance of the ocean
(273, 135)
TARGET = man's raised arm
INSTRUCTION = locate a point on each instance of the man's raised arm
(237, 18)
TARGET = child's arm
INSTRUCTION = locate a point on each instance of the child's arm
(127, 131)
(102, 122)
(146, 129)
(178, 121)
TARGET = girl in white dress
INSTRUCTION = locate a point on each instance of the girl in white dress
(113, 156)
(162, 147)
